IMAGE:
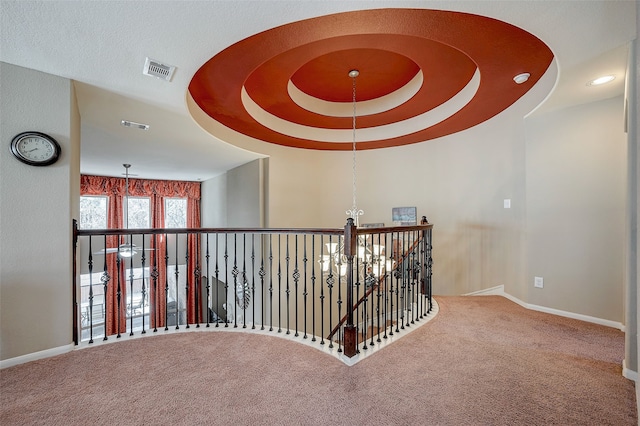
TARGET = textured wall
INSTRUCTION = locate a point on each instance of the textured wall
(36, 207)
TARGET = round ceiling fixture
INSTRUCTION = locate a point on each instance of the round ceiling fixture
(424, 74)
(601, 80)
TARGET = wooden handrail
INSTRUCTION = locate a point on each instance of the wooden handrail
(373, 287)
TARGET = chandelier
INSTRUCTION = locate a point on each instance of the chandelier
(371, 261)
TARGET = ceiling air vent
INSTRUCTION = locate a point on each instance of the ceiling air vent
(158, 70)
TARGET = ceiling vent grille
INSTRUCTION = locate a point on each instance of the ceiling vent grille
(159, 70)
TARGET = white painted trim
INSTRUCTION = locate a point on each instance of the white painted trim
(6, 363)
(581, 317)
(629, 374)
(493, 291)
(499, 291)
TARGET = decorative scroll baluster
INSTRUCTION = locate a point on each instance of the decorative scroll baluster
(226, 277)
(339, 301)
(429, 269)
(154, 275)
(105, 282)
(387, 280)
(304, 291)
(270, 282)
(296, 279)
(217, 272)
(279, 284)
(143, 289)
(118, 295)
(262, 274)
(330, 282)
(235, 273)
(90, 319)
(166, 282)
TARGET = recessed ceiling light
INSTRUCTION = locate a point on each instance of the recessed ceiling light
(127, 123)
(521, 78)
(601, 80)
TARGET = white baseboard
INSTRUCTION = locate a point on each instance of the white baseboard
(5, 363)
(493, 291)
(629, 374)
(499, 291)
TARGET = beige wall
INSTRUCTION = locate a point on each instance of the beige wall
(576, 192)
(563, 171)
(36, 207)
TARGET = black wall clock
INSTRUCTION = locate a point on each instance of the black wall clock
(35, 148)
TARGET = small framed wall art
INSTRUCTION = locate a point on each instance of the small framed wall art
(404, 216)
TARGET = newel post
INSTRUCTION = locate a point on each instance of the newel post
(350, 247)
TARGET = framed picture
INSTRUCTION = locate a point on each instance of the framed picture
(372, 225)
(404, 216)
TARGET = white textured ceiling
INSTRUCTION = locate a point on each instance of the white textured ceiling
(102, 46)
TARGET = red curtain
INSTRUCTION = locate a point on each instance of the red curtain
(157, 191)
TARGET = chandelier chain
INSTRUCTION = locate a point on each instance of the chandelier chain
(354, 144)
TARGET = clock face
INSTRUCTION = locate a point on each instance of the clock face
(36, 149)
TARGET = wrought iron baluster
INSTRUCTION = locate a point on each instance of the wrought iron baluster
(235, 273)
(330, 282)
(279, 284)
(130, 285)
(270, 282)
(177, 274)
(379, 278)
(187, 279)
(217, 282)
(118, 295)
(322, 295)
(197, 286)
(154, 275)
(296, 279)
(313, 288)
(339, 301)
(166, 282)
(244, 280)
(90, 319)
(143, 289)
(105, 282)
(387, 280)
(262, 274)
(287, 288)
(253, 283)
(208, 279)
(226, 278)
(304, 290)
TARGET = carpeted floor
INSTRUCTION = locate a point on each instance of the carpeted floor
(480, 361)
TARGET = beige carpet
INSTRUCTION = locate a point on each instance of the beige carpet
(480, 361)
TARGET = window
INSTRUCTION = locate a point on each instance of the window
(175, 212)
(93, 212)
(138, 213)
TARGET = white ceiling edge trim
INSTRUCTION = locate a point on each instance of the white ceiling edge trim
(345, 109)
(387, 131)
